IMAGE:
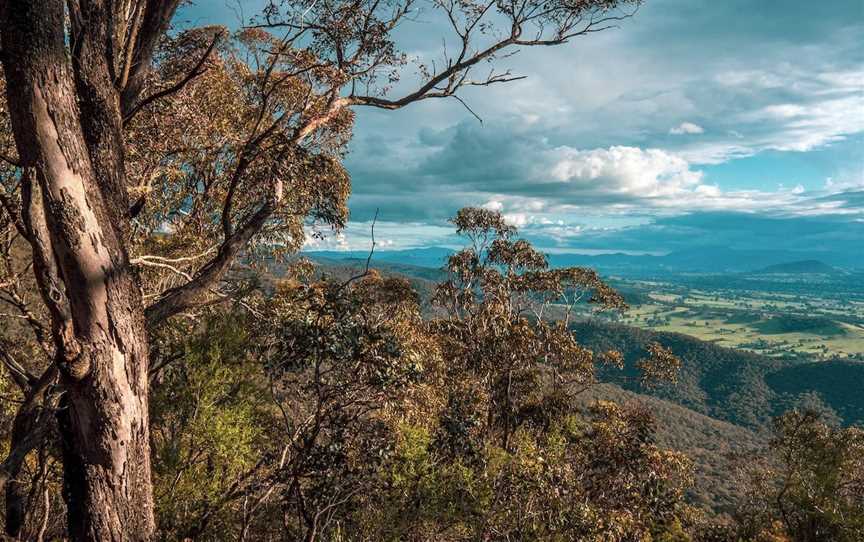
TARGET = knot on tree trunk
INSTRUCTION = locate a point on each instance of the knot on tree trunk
(72, 362)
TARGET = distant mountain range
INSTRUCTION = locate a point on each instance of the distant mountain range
(710, 259)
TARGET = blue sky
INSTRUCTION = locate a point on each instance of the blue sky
(701, 114)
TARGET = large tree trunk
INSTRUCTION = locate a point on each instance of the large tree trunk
(97, 314)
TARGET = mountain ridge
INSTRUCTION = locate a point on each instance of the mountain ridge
(706, 258)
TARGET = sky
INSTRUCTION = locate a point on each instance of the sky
(736, 123)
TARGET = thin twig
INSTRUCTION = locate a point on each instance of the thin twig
(368, 258)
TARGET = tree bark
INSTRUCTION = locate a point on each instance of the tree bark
(100, 336)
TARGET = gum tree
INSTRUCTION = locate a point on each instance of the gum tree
(140, 163)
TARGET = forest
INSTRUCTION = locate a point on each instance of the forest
(173, 369)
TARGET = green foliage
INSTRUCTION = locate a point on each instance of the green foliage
(814, 487)
(740, 387)
(597, 477)
(209, 423)
(332, 410)
(341, 359)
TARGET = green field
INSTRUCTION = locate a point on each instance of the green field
(768, 323)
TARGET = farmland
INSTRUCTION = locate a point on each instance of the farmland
(767, 322)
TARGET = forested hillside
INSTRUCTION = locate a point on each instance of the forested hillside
(733, 385)
(720, 451)
(720, 408)
(727, 384)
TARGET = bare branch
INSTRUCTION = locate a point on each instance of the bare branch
(368, 258)
(22, 377)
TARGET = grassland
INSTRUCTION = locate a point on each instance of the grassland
(775, 324)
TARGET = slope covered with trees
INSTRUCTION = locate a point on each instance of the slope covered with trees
(727, 384)
(719, 450)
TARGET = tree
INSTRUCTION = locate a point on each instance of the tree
(503, 452)
(289, 412)
(497, 297)
(145, 162)
(812, 487)
(334, 410)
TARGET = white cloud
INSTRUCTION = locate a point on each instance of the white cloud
(803, 127)
(797, 111)
(848, 182)
(687, 128)
(317, 239)
(623, 180)
(357, 236)
(623, 170)
(711, 191)
(517, 219)
(493, 205)
(752, 78)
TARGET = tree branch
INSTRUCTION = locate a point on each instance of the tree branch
(197, 70)
(157, 16)
(188, 295)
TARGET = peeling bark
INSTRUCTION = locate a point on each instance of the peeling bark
(103, 352)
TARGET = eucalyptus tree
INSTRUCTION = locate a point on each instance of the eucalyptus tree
(142, 161)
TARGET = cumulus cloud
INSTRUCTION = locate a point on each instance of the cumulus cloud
(570, 147)
(641, 173)
(686, 128)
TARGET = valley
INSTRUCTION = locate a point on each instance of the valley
(807, 325)
(752, 344)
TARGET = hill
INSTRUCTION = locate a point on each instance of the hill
(793, 323)
(805, 267)
(839, 385)
(739, 387)
(719, 410)
(735, 386)
(717, 448)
